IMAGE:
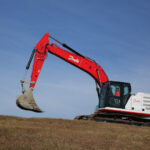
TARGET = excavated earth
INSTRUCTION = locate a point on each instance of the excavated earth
(58, 134)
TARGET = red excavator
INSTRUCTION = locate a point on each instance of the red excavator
(116, 103)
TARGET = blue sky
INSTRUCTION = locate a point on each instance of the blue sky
(115, 33)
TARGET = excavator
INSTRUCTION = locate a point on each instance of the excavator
(115, 102)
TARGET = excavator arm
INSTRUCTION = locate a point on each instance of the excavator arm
(40, 51)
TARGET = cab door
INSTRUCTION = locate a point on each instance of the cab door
(114, 96)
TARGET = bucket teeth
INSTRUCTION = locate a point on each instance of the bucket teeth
(27, 102)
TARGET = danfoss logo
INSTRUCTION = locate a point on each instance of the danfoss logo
(73, 59)
(136, 101)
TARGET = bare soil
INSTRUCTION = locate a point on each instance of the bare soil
(57, 134)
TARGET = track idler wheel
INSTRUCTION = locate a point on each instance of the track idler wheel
(27, 102)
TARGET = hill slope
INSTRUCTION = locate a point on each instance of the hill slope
(57, 134)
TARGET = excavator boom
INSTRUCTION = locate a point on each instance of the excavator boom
(43, 47)
(78, 60)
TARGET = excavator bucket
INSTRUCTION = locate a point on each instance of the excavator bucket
(27, 102)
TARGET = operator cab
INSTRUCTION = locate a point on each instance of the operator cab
(114, 94)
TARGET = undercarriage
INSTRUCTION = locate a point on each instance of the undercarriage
(115, 118)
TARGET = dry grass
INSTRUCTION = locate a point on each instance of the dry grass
(57, 134)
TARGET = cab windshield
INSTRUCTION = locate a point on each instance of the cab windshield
(114, 94)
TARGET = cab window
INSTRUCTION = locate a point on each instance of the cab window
(114, 90)
(126, 94)
(103, 96)
(114, 96)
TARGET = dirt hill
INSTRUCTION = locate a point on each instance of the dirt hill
(58, 134)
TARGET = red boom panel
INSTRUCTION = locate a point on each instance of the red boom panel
(83, 63)
(39, 58)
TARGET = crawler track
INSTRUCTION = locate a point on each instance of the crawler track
(115, 118)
